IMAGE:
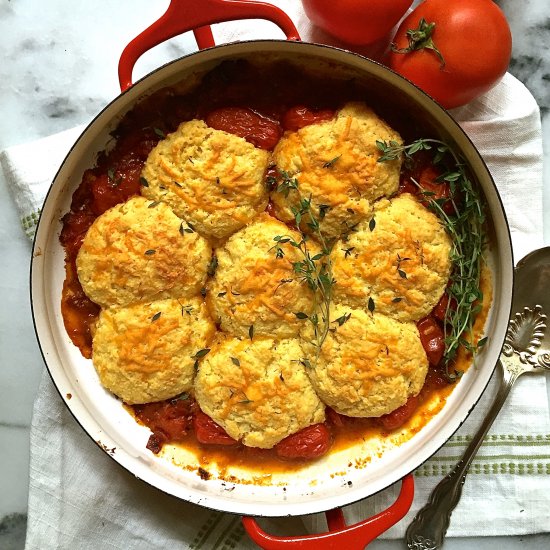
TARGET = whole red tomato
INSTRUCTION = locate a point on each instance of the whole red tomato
(357, 22)
(455, 50)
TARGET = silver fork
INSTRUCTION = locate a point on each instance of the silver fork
(523, 352)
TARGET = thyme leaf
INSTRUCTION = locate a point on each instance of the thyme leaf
(113, 179)
(370, 305)
(347, 251)
(188, 229)
(287, 184)
(201, 353)
(331, 162)
(323, 209)
(212, 266)
(343, 319)
(185, 309)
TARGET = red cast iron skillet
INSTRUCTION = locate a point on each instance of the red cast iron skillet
(100, 414)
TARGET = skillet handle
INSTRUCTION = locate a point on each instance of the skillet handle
(354, 537)
(196, 15)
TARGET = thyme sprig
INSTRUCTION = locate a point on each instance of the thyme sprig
(315, 266)
(392, 150)
(465, 226)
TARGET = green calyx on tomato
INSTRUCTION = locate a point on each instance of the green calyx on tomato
(419, 39)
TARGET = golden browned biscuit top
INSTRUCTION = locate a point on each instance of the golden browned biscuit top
(146, 352)
(398, 262)
(254, 286)
(369, 364)
(257, 390)
(213, 179)
(335, 163)
(140, 251)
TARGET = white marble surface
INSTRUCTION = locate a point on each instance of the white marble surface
(58, 69)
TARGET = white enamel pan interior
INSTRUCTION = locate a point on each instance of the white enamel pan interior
(339, 479)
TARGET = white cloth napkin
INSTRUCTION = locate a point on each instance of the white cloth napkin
(79, 498)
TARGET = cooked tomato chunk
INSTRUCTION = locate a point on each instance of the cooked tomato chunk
(311, 442)
(259, 130)
(397, 418)
(208, 432)
(432, 339)
(299, 116)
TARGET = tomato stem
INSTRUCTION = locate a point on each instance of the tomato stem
(420, 39)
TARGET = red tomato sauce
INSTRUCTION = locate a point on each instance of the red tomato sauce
(258, 105)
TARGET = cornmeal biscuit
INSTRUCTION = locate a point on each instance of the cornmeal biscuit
(369, 364)
(335, 163)
(213, 179)
(254, 286)
(146, 352)
(258, 390)
(398, 263)
(141, 251)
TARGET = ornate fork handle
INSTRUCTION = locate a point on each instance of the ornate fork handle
(428, 528)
